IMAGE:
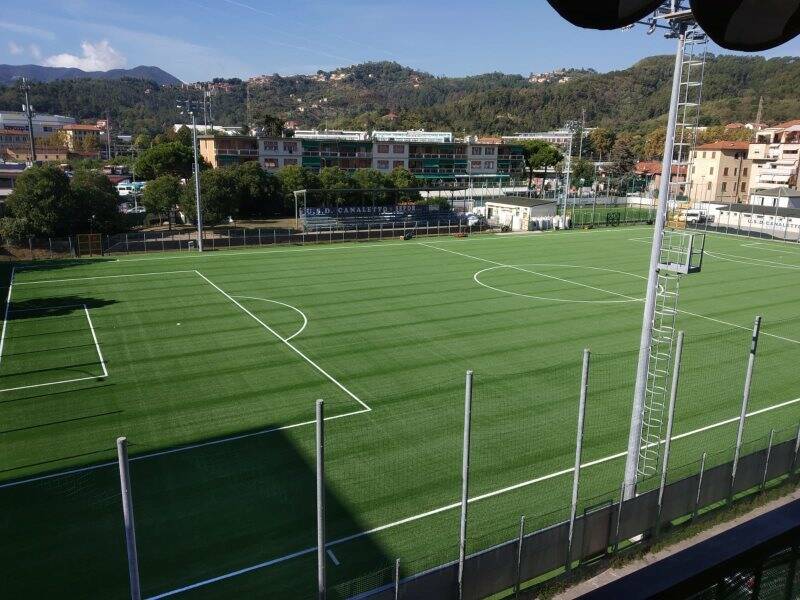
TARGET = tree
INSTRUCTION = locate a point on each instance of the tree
(293, 178)
(260, 193)
(623, 154)
(184, 136)
(403, 178)
(335, 178)
(142, 142)
(172, 158)
(90, 143)
(218, 198)
(530, 150)
(602, 141)
(94, 204)
(270, 125)
(654, 144)
(161, 195)
(38, 205)
(582, 173)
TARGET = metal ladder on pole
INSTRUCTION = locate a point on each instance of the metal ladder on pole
(693, 68)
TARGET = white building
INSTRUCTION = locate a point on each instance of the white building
(775, 197)
(331, 134)
(519, 213)
(776, 157)
(560, 137)
(276, 153)
(414, 135)
(44, 125)
(207, 129)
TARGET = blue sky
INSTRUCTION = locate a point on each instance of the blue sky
(199, 39)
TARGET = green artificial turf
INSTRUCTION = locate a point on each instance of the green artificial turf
(392, 325)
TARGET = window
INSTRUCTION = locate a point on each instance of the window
(383, 164)
(704, 154)
(475, 164)
(270, 146)
(270, 163)
(383, 148)
(735, 171)
(713, 155)
(743, 187)
(398, 149)
(724, 187)
(708, 186)
(694, 168)
(290, 147)
(744, 172)
(488, 164)
(289, 161)
(711, 170)
(725, 172)
(398, 164)
(489, 151)
(477, 151)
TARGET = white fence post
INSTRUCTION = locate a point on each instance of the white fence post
(320, 442)
(127, 515)
(462, 544)
(745, 401)
(576, 473)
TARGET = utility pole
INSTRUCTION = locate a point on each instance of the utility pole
(108, 136)
(28, 110)
(189, 107)
(759, 116)
(583, 128)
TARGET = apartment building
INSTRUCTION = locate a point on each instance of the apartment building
(44, 125)
(776, 156)
(720, 172)
(482, 157)
(80, 137)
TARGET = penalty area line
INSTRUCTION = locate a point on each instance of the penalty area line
(453, 506)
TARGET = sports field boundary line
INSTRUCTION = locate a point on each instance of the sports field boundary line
(76, 379)
(175, 450)
(452, 506)
(287, 342)
(5, 314)
(90, 278)
(680, 310)
(294, 308)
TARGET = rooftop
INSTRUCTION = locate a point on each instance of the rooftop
(81, 127)
(519, 201)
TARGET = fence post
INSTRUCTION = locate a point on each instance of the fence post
(615, 546)
(745, 400)
(796, 451)
(397, 579)
(127, 249)
(766, 459)
(71, 248)
(673, 394)
(30, 247)
(144, 241)
(462, 543)
(163, 247)
(320, 442)
(576, 473)
(520, 540)
(127, 515)
(699, 486)
(50, 244)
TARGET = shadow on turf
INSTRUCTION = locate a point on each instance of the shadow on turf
(200, 513)
(53, 306)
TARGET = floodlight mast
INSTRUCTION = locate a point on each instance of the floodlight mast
(678, 21)
(188, 107)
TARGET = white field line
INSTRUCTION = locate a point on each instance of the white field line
(335, 560)
(285, 341)
(762, 246)
(5, 316)
(41, 281)
(751, 261)
(499, 264)
(685, 312)
(175, 450)
(96, 343)
(294, 308)
(452, 506)
(99, 356)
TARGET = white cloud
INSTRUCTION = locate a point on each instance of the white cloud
(14, 48)
(35, 52)
(95, 57)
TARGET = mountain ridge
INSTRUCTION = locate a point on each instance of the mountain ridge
(10, 73)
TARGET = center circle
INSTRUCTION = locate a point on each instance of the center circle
(528, 268)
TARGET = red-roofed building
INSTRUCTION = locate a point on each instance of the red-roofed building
(720, 173)
(81, 137)
(651, 169)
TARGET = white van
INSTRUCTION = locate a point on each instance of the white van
(695, 216)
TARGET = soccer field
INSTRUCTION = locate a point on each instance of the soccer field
(211, 365)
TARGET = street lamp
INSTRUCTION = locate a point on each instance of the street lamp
(188, 107)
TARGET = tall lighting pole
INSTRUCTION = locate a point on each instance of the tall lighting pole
(28, 110)
(188, 107)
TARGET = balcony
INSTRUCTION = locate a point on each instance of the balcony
(236, 152)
